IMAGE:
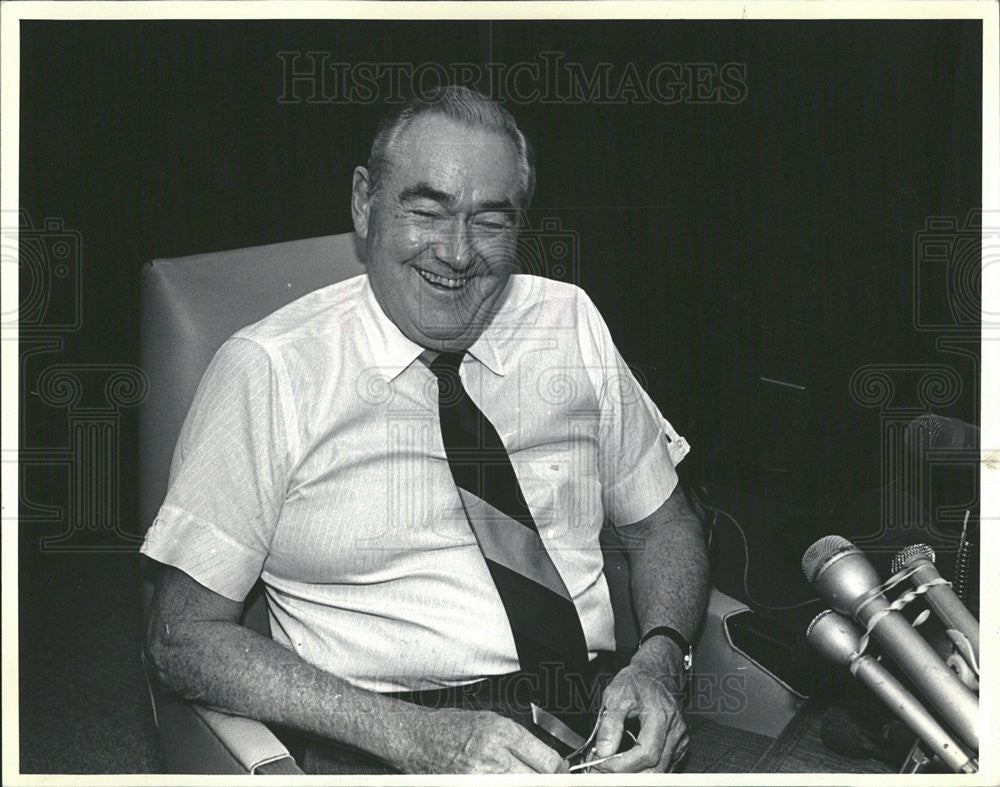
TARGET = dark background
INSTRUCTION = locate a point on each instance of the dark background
(723, 242)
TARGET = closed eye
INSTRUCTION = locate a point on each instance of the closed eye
(494, 221)
(427, 218)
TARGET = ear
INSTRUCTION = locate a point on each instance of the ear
(361, 199)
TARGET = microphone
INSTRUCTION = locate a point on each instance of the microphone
(837, 638)
(936, 432)
(849, 583)
(940, 597)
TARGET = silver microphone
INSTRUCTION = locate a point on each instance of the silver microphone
(849, 583)
(929, 433)
(837, 638)
(940, 597)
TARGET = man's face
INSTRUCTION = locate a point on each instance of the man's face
(441, 229)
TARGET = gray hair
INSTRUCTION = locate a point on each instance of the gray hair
(463, 106)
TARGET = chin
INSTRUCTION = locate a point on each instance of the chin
(448, 344)
(456, 339)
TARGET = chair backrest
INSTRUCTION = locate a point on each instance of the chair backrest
(191, 305)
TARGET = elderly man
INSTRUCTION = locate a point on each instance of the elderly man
(418, 463)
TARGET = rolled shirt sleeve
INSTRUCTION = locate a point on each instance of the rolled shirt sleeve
(228, 474)
(639, 448)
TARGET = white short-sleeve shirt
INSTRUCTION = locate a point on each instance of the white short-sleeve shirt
(312, 457)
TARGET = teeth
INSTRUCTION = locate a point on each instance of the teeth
(452, 284)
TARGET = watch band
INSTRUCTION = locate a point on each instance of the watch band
(679, 639)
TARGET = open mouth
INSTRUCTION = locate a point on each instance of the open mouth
(443, 282)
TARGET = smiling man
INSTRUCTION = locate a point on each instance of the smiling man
(437, 207)
(418, 463)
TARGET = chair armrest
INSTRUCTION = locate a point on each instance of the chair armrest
(196, 739)
(249, 742)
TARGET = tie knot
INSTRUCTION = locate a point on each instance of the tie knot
(446, 365)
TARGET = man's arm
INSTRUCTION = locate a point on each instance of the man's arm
(668, 560)
(199, 650)
(669, 566)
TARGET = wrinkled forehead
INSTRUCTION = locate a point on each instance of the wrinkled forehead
(464, 160)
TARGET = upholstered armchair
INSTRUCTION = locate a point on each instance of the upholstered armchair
(190, 306)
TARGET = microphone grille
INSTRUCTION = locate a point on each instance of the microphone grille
(820, 551)
(934, 430)
(816, 620)
(923, 433)
(906, 554)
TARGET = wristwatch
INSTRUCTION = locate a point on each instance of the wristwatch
(678, 639)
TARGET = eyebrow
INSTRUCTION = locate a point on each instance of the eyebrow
(497, 204)
(426, 191)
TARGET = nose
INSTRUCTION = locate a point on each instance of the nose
(454, 246)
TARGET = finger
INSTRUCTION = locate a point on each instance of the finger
(619, 703)
(511, 765)
(635, 760)
(648, 750)
(610, 728)
(536, 755)
(679, 753)
(676, 738)
(676, 744)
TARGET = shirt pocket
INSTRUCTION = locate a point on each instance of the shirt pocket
(563, 493)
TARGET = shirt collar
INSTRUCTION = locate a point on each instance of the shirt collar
(394, 352)
(484, 350)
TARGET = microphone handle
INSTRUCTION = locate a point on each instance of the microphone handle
(949, 696)
(942, 599)
(885, 686)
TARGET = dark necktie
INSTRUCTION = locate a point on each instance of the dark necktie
(546, 627)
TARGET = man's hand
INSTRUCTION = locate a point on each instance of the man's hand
(464, 741)
(645, 691)
(669, 564)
